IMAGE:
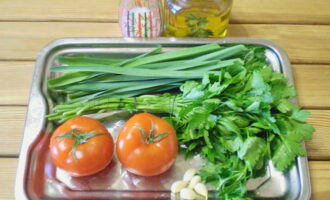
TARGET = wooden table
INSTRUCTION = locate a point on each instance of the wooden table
(301, 27)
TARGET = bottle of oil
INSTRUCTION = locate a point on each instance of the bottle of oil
(196, 18)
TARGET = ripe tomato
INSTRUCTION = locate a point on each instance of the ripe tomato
(81, 146)
(146, 145)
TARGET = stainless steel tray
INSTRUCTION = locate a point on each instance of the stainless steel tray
(38, 178)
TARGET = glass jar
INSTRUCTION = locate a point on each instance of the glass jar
(196, 18)
(140, 18)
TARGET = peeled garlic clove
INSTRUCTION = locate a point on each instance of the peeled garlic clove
(189, 174)
(200, 188)
(178, 185)
(194, 181)
(187, 193)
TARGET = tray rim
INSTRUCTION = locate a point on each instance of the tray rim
(36, 98)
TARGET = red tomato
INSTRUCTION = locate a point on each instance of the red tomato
(81, 146)
(146, 145)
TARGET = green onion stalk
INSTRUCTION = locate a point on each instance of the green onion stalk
(165, 103)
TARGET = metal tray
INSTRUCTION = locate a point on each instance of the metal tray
(38, 178)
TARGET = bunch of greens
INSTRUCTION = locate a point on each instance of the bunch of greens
(237, 118)
(90, 79)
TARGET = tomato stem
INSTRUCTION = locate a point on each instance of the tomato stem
(152, 137)
(79, 137)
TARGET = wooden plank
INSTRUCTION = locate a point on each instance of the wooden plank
(320, 178)
(12, 122)
(244, 11)
(59, 10)
(22, 40)
(281, 11)
(303, 43)
(319, 171)
(16, 80)
(11, 126)
(312, 83)
(319, 148)
(7, 177)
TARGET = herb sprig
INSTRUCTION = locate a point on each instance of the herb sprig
(197, 26)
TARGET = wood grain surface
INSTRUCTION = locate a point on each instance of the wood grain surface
(319, 148)
(320, 179)
(244, 11)
(313, 85)
(7, 177)
(23, 40)
(16, 78)
(11, 125)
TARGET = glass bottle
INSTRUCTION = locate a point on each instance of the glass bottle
(140, 18)
(196, 18)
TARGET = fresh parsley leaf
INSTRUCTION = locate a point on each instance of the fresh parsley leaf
(252, 150)
(300, 115)
(283, 158)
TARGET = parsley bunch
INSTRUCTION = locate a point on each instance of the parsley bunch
(238, 120)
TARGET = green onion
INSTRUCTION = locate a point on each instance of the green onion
(175, 55)
(80, 60)
(74, 95)
(118, 85)
(70, 78)
(221, 54)
(118, 78)
(132, 72)
(125, 62)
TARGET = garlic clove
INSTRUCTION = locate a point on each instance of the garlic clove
(189, 174)
(201, 189)
(187, 193)
(194, 181)
(178, 185)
